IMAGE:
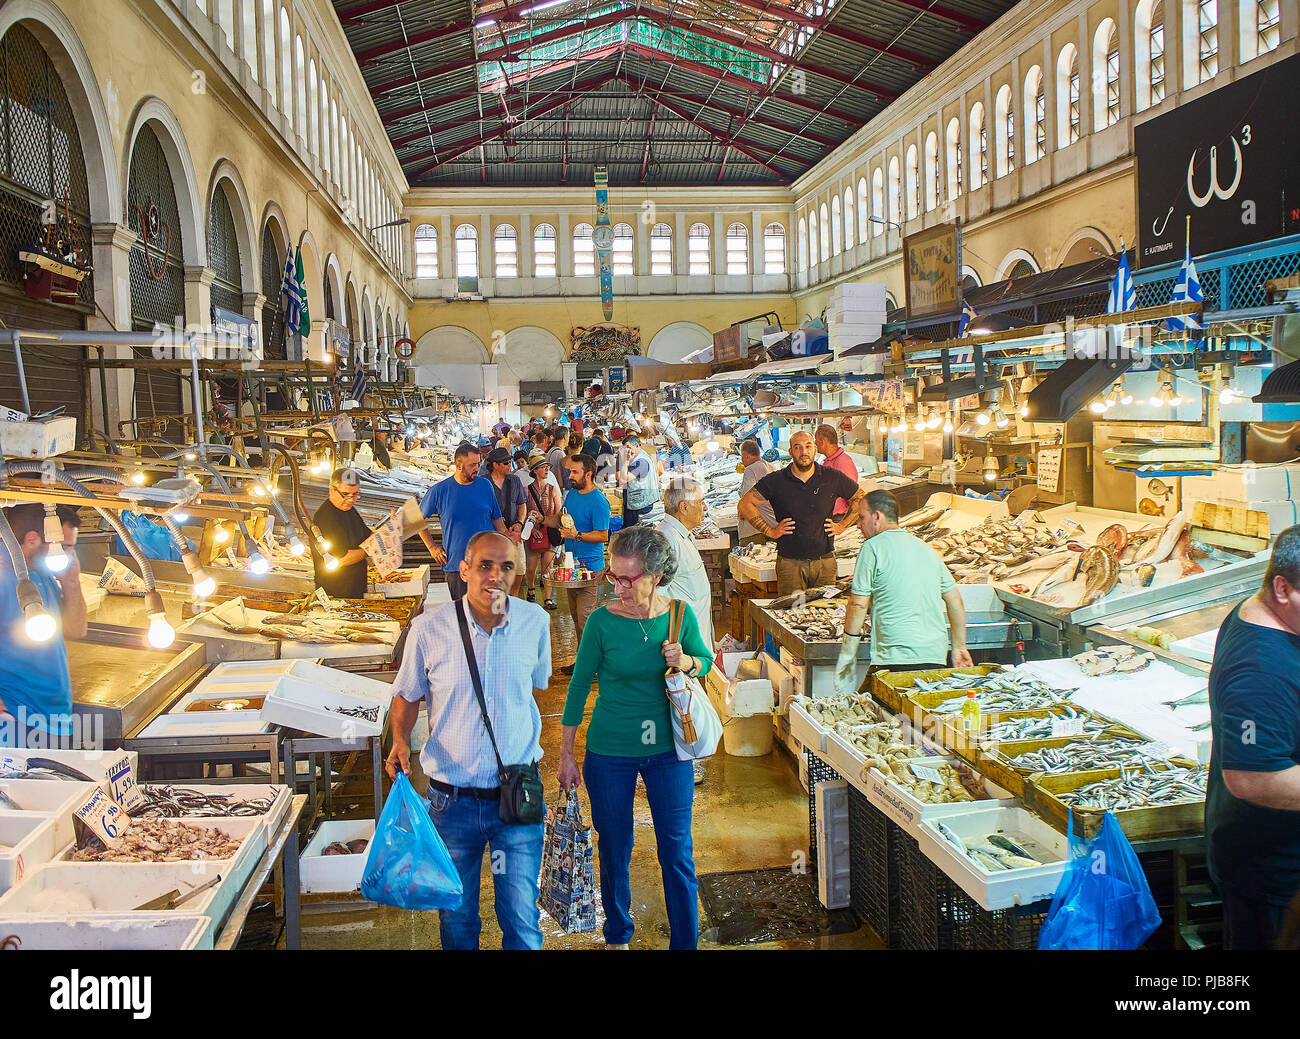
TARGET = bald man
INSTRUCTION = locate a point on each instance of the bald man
(802, 496)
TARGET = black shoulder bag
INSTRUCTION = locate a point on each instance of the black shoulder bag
(522, 797)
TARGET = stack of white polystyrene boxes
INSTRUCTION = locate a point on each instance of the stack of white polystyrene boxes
(854, 315)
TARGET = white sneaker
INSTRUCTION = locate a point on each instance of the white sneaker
(699, 772)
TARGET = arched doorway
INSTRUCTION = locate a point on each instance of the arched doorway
(42, 160)
(273, 260)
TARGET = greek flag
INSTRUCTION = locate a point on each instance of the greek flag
(292, 292)
(1186, 287)
(359, 383)
(1122, 294)
(967, 316)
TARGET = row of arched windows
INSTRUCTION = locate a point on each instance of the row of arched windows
(280, 57)
(827, 230)
(735, 259)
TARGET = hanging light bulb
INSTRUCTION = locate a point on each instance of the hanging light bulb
(38, 624)
(323, 544)
(258, 491)
(180, 517)
(331, 563)
(1227, 394)
(204, 586)
(919, 424)
(999, 419)
(221, 535)
(161, 634)
(990, 468)
(1125, 397)
(296, 547)
(982, 418)
(56, 560)
(933, 419)
(1024, 409)
(137, 477)
(258, 564)
(1098, 406)
(947, 422)
(190, 456)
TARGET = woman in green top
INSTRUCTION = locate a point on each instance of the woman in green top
(626, 643)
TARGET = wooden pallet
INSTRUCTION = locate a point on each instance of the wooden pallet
(1231, 517)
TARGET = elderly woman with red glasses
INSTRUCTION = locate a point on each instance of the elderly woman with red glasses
(626, 643)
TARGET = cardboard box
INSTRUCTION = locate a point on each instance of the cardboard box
(38, 439)
(749, 697)
(1247, 482)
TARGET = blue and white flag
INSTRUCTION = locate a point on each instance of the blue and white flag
(1123, 296)
(359, 384)
(1187, 287)
(967, 316)
(292, 293)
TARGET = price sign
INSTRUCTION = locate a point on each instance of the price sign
(122, 785)
(384, 546)
(1155, 749)
(1067, 726)
(99, 819)
(930, 775)
(1049, 469)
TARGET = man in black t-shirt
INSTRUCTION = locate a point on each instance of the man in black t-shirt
(1252, 805)
(802, 496)
(345, 531)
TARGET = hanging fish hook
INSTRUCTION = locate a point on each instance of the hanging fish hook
(1160, 231)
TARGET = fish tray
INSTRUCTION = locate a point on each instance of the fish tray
(298, 703)
(806, 730)
(1181, 819)
(1005, 888)
(154, 931)
(996, 758)
(948, 730)
(281, 801)
(903, 808)
(27, 840)
(889, 687)
(42, 798)
(336, 874)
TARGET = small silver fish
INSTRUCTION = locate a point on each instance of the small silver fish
(9, 803)
(950, 835)
(999, 840)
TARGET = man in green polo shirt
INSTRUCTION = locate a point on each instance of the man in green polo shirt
(902, 581)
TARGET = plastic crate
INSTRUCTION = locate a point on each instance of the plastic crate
(1013, 929)
(935, 913)
(818, 772)
(875, 849)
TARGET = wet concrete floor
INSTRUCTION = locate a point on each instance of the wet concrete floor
(750, 813)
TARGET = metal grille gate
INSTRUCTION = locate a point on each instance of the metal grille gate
(272, 315)
(155, 299)
(40, 161)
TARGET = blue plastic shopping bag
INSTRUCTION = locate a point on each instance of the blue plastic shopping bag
(1103, 901)
(408, 865)
(153, 539)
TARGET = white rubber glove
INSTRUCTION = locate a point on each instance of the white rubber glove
(846, 666)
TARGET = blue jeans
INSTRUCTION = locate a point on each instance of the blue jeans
(670, 789)
(1250, 923)
(631, 517)
(466, 826)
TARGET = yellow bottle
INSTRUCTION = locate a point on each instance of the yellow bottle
(970, 713)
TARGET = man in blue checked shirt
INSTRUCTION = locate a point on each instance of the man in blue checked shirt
(512, 646)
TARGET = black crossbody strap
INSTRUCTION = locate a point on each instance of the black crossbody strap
(474, 676)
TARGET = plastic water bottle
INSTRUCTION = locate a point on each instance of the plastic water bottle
(970, 713)
(527, 532)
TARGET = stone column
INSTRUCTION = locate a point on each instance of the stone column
(111, 250)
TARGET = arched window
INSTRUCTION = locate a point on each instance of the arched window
(877, 202)
(862, 210)
(737, 249)
(505, 247)
(803, 244)
(286, 66)
(467, 252)
(952, 153)
(1021, 269)
(1204, 16)
(774, 247)
(1105, 76)
(895, 202)
(345, 158)
(812, 241)
(1149, 54)
(426, 251)
(1036, 114)
(313, 104)
(697, 249)
(335, 156)
(545, 263)
(848, 219)
(273, 327)
(979, 146)
(300, 89)
(621, 256)
(1004, 118)
(825, 251)
(584, 252)
(913, 184)
(661, 251)
(325, 129)
(268, 50)
(933, 188)
(1067, 96)
(835, 224)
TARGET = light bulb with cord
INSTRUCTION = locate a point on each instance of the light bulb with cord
(161, 634)
(296, 547)
(38, 623)
(999, 419)
(982, 418)
(331, 564)
(204, 585)
(932, 419)
(221, 535)
(56, 559)
(947, 423)
(137, 477)
(258, 564)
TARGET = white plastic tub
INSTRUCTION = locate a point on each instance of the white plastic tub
(112, 887)
(1006, 887)
(93, 763)
(298, 703)
(27, 840)
(163, 931)
(52, 799)
(335, 873)
(906, 810)
(281, 796)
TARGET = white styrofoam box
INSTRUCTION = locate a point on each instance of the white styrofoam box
(906, 810)
(866, 293)
(339, 873)
(408, 581)
(92, 763)
(206, 723)
(234, 871)
(162, 931)
(438, 593)
(240, 672)
(298, 703)
(1199, 646)
(711, 544)
(1007, 887)
(1281, 514)
(43, 797)
(26, 841)
(281, 799)
(805, 729)
(38, 438)
(832, 843)
(112, 887)
(343, 681)
(751, 696)
(1247, 482)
